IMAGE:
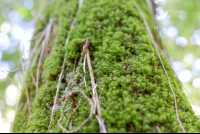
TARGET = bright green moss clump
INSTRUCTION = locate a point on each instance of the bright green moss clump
(134, 91)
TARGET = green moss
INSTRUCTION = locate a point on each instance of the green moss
(50, 71)
(134, 91)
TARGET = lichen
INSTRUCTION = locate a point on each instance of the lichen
(135, 94)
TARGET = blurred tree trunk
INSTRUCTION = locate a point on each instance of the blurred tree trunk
(134, 91)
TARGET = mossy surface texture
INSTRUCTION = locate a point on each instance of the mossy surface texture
(134, 91)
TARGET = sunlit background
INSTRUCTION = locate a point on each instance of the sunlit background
(179, 28)
(16, 27)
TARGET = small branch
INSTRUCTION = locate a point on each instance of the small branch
(66, 111)
(13, 82)
(57, 91)
(158, 128)
(84, 72)
(95, 94)
(102, 126)
(85, 47)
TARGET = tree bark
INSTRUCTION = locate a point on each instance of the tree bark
(135, 86)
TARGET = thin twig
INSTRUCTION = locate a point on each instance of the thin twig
(95, 94)
(11, 71)
(77, 129)
(84, 72)
(45, 41)
(101, 125)
(24, 75)
(39, 40)
(66, 111)
(158, 128)
(85, 47)
(155, 44)
(42, 9)
(74, 65)
(191, 100)
(67, 86)
(12, 81)
(35, 57)
(57, 91)
(71, 116)
(32, 76)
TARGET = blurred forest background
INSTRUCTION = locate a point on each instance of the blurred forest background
(179, 28)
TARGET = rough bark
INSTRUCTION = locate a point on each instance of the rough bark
(133, 89)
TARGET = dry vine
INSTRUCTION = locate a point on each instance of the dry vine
(155, 45)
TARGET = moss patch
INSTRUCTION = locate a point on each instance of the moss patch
(134, 91)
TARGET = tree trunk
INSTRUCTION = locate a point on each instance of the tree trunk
(134, 91)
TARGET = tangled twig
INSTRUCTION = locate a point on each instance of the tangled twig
(59, 81)
(155, 45)
(71, 116)
(77, 129)
(67, 111)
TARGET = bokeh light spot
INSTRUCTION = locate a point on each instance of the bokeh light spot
(4, 41)
(17, 31)
(193, 40)
(161, 2)
(172, 31)
(181, 41)
(189, 58)
(197, 65)
(160, 13)
(182, 15)
(28, 4)
(178, 66)
(10, 115)
(184, 76)
(196, 33)
(11, 95)
(5, 27)
(196, 82)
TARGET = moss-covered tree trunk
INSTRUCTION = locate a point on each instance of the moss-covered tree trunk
(134, 91)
